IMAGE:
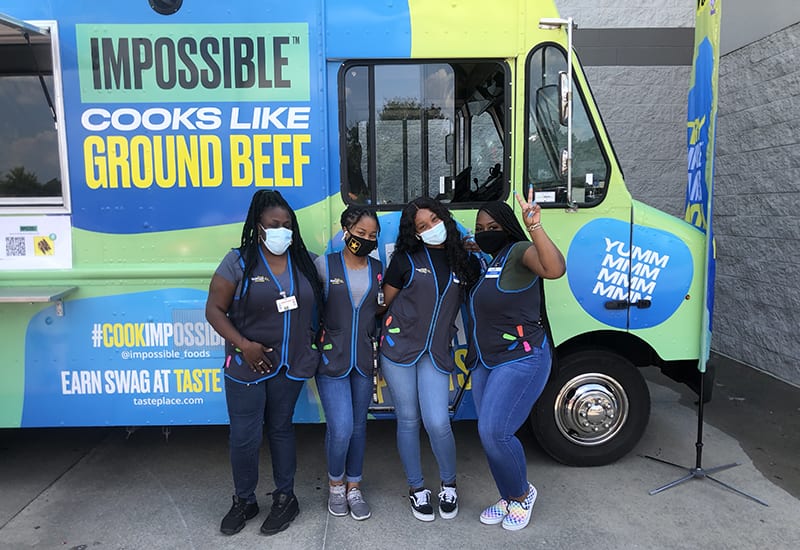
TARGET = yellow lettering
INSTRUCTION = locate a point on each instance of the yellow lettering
(695, 215)
(211, 160)
(281, 160)
(260, 159)
(215, 379)
(241, 167)
(197, 380)
(164, 161)
(300, 159)
(118, 167)
(379, 389)
(187, 161)
(108, 335)
(95, 169)
(179, 379)
(141, 162)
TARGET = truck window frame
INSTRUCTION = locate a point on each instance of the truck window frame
(26, 205)
(459, 133)
(579, 102)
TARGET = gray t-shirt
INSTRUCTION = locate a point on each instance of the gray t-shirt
(358, 278)
(231, 270)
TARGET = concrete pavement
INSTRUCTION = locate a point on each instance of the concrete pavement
(93, 488)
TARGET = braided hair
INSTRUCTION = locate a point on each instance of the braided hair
(353, 214)
(248, 248)
(457, 255)
(503, 215)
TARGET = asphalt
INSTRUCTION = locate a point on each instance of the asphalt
(103, 488)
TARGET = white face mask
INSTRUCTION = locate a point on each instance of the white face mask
(435, 235)
(277, 239)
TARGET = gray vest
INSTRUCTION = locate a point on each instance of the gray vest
(349, 329)
(290, 334)
(421, 319)
(505, 323)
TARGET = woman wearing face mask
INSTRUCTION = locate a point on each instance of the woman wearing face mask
(509, 350)
(351, 280)
(263, 300)
(425, 286)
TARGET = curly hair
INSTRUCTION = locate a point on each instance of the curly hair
(503, 215)
(353, 214)
(248, 248)
(457, 255)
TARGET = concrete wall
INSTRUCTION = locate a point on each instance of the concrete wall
(643, 106)
(629, 13)
(644, 110)
(757, 205)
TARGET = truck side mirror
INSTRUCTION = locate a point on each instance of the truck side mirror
(564, 97)
(449, 142)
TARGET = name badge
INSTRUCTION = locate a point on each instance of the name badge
(493, 272)
(286, 304)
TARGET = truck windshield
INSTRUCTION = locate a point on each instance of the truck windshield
(547, 137)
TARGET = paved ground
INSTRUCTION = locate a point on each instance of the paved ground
(93, 488)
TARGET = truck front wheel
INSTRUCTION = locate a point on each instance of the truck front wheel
(593, 410)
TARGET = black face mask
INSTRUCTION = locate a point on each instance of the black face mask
(359, 246)
(491, 242)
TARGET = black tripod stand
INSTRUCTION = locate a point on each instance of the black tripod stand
(698, 472)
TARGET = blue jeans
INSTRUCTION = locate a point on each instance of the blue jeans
(250, 406)
(417, 389)
(504, 397)
(346, 403)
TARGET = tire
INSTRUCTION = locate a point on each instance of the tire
(593, 410)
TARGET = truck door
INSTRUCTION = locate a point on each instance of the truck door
(593, 230)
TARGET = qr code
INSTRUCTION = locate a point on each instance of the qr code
(15, 246)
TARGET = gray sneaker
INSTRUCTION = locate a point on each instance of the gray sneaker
(337, 502)
(359, 509)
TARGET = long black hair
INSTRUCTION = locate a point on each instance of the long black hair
(248, 248)
(503, 215)
(457, 255)
(353, 214)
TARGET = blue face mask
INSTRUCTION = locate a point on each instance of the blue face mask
(277, 239)
(435, 235)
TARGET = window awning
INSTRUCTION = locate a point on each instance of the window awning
(12, 31)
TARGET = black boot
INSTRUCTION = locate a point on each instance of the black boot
(284, 510)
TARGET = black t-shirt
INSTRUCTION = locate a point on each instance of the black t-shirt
(399, 271)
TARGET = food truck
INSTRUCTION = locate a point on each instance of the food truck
(135, 133)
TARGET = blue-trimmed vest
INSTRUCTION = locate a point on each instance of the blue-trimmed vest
(290, 334)
(349, 328)
(421, 319)
(505, 323)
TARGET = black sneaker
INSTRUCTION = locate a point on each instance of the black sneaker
(421, 504)
(237, 516)
(284, 510)
(448, 502)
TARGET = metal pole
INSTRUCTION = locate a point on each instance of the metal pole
(570, 202)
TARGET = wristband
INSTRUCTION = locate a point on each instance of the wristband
(535, 226)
